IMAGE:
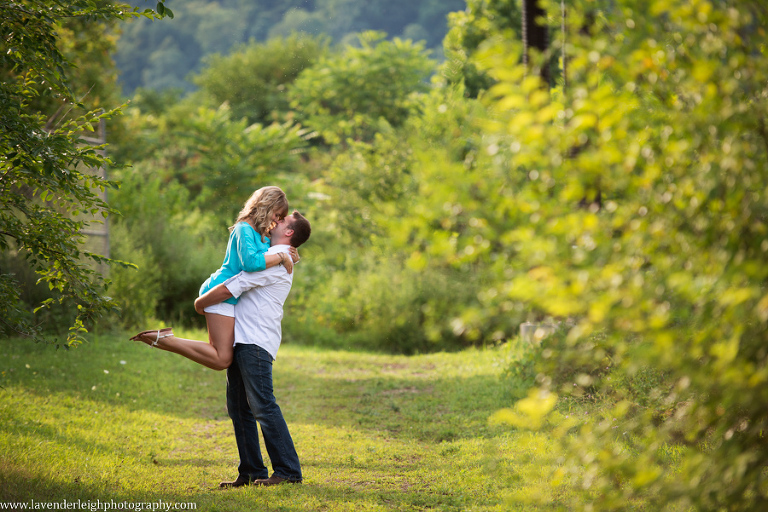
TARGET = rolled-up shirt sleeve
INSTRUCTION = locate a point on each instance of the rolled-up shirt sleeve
(245, 281)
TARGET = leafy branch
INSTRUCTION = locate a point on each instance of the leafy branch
(48, 193)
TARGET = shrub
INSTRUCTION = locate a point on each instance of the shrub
(179, 245)
(379, 304)
(347, 95)
(136, 290)
(645, 192)
(253, 79)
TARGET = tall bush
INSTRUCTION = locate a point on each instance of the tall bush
(347, 95)
(174, 243)
(254, 78)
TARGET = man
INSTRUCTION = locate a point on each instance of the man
(250, 399)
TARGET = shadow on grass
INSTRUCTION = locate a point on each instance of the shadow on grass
(21, 486)
(21, 427)
(22, 489)
(387, 395)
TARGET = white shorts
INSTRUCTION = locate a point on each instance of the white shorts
(222, 308)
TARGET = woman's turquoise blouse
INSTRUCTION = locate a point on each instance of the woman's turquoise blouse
(245, 253)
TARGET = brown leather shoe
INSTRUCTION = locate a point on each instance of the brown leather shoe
(274, 480)
(240, 482)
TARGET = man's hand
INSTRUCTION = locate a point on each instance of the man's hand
(198, 307)
(287, 262)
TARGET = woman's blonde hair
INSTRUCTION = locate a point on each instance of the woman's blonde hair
(261, 206)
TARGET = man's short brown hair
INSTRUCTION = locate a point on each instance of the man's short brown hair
(301, 228)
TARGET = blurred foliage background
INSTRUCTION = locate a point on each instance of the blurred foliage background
(161, 56)
(454, 195)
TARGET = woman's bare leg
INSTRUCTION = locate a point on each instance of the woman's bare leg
(216, 354)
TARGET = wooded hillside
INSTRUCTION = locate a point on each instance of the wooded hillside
(162, 55)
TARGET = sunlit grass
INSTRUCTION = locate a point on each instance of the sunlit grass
(115, 420)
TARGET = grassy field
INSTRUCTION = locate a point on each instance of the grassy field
(116, 420)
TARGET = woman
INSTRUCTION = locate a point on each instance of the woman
(245, 253)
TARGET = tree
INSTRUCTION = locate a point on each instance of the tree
(346, 95)
(535, 35)
(254, 79)
(44, 182)
(668, 277)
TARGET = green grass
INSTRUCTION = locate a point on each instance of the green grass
(116, 420)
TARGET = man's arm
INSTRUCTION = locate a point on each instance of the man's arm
(245, 281)
(213, 296)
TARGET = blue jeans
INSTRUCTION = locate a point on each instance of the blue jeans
(250, 399)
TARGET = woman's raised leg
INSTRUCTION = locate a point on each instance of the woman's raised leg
(216, 354)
